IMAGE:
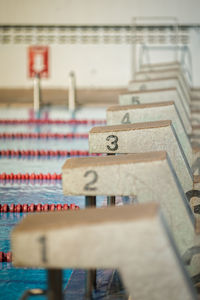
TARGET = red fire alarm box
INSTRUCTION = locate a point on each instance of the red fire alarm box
(38, 57)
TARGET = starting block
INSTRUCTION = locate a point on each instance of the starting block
(149, 112)
(164, 73)
(161, 83)
(146, 176)
(143, 137)
(162, 95)
(117, 238)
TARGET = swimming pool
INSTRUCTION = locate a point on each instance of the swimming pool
(13, 281)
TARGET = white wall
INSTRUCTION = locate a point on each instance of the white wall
(95, 65)
(94, 11)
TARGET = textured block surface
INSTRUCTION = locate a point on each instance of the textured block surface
(162, 83)
(148, 112)
(163, 73)
(143, 137)
(106, 238)
(147, 176)
(161, 95)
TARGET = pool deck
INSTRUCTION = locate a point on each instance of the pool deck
(59, 97)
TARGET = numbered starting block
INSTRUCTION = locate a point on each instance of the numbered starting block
(82, 239)
(146, 176)
(161, 83)
(161, 95)
(149, 112)
(164, 73)
(143, 137)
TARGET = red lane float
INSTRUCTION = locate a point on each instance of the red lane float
(43, 153)
(24, 208)
(5, 257)
(32, 176)
(21, 135)
(51, 121)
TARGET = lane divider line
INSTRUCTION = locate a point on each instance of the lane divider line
(27, 176)
(22, 135)
(26, 208)
(45, 153)
(51, 121)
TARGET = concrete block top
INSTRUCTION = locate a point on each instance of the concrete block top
(143, 137)
(162, 64)
(140, 106)
(85, 162)
(154, 79)
(151, 112)
(128, 127)
(195, 111)
(178, 70)
(54, 220)
(113, 237)
(149, 91)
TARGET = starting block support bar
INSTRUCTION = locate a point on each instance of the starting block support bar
(90, 201)
(111, 199)
(54, 284)
(90, 284)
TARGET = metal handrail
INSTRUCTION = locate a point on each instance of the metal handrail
(189, 70)
(134, 32)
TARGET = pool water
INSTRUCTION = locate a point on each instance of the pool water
(14, 281)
